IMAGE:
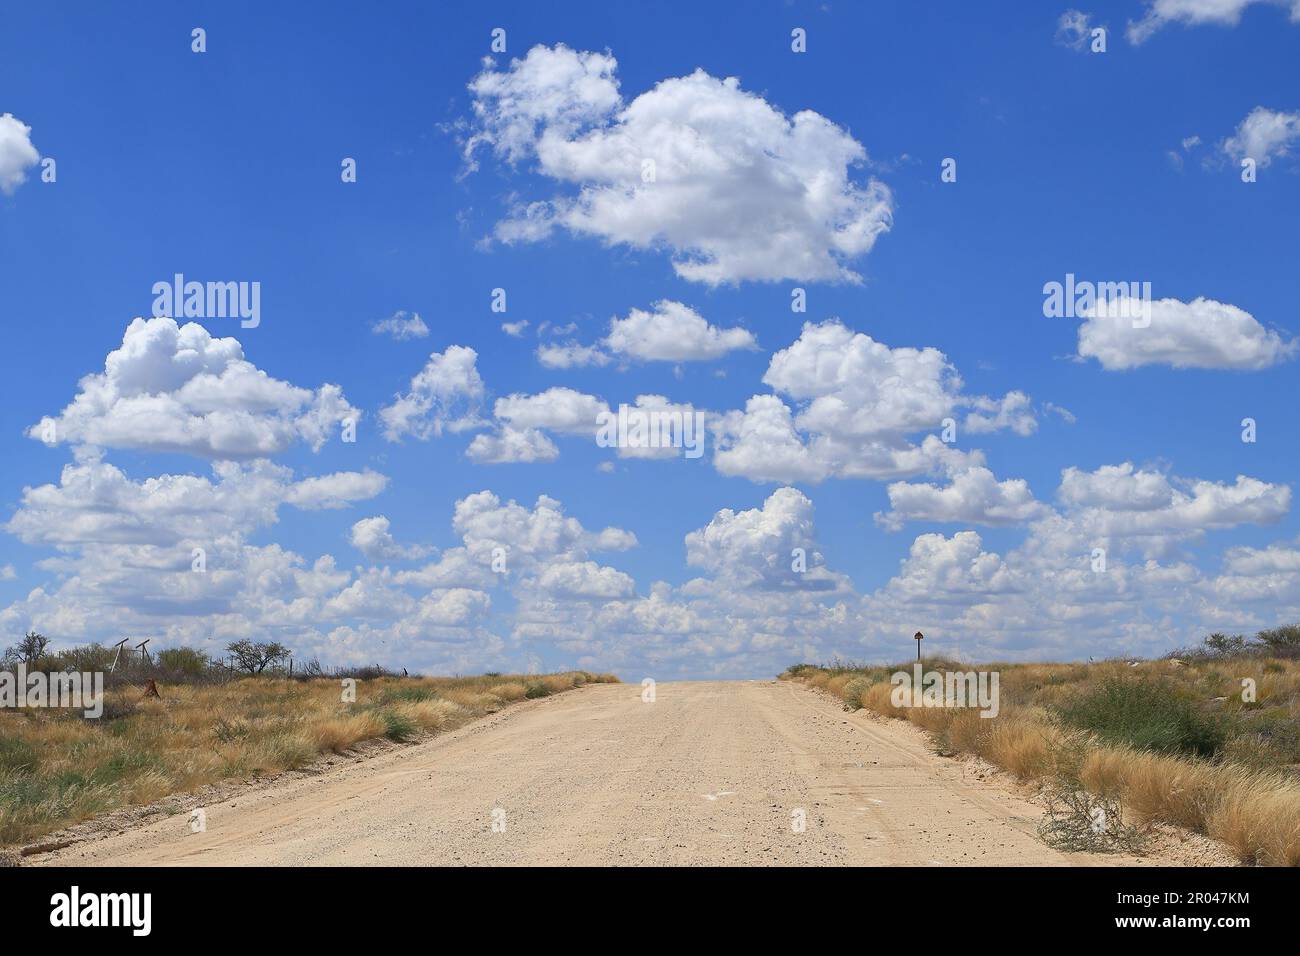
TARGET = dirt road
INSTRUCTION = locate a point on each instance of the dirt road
(709, 773)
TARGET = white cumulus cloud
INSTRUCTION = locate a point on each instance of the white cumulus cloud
(372, 537)
(1202, 333)
(1264, 135)
(172, 388)
(972, 496)
(510, 445)
(859, 405)
(673, 332)
(445, 395)
(734, 188)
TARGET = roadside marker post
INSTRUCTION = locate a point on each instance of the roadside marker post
(919, 638)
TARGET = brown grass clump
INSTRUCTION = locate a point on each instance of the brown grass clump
(508, 692)
(1023, 746)
(57, 768)
(1260, 820)
(876, 699)
(337, 734)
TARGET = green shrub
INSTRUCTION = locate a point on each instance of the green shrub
(1148, 715)
(535, 690)
(398, 727)
(853, 692)
(183, 660)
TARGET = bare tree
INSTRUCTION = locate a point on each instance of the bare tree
(256, 656)
(30, 649)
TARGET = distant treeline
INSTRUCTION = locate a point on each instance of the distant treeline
(243, 658)
(1281, 641)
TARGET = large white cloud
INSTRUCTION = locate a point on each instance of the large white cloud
(17, 154)
(774, 546)
(857, 386)
(172, 388)
(729, 184)
(1202, 333)
(445, 395)
(762, 444)
(860, 405)
(951, 570)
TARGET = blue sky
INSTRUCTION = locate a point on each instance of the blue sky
(225, 166)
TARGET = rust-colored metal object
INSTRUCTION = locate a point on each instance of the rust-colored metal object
(151, 688)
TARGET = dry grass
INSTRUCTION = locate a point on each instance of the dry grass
(1173, 742)
(57, 768)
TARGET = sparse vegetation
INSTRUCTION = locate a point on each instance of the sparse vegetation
(1209, 740)
(1077, 821)
(57, 768)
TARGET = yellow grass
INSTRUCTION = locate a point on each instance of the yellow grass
(1247, 796)
(57, 768)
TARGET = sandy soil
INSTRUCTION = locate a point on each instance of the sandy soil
(710, 773)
